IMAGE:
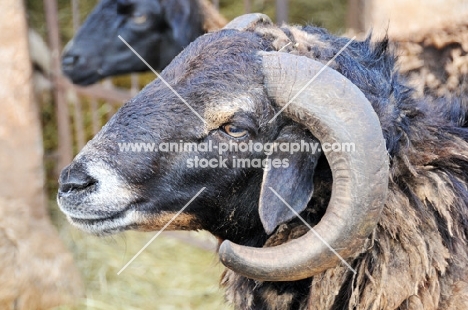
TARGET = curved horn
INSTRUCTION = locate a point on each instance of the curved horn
(248, 20)
(335, 111)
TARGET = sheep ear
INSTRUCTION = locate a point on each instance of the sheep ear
(177, 16)
(292, 181)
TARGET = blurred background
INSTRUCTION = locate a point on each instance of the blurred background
(178, 270)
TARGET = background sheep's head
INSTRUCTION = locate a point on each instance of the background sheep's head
(158, 30)
(237, 88)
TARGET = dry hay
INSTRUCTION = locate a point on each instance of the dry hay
(169, 274)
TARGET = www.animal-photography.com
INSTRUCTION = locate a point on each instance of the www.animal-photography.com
(219, 154)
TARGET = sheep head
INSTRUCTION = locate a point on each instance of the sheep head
(235, 81)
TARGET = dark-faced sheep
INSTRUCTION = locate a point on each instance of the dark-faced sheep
(395, 208)
(157, 29)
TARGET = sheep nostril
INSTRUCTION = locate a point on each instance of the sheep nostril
(68, 188)
(73, 180)
(69, 61)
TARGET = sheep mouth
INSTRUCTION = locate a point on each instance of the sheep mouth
(106, 225)
(81, 78)
(91, 221)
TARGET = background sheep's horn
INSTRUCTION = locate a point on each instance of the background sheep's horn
(248, 20)
(335, 111)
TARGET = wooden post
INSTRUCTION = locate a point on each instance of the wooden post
(36, 270)
(21, 151)
(65, 150)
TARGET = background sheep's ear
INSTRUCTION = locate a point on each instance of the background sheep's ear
(294, 183)
(177, 14)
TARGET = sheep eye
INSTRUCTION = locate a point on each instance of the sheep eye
(139, 18)
(234, 131)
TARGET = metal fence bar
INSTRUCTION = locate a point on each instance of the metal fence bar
(78, 123)
(216, 4)
(114, 95)
(111, 109)
(65, 150)
(247, 6)
(282, 11)
(95, 118)
(75, 14)
(354, 14)
(135, 85)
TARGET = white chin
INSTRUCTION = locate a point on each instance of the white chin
(105, 226)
